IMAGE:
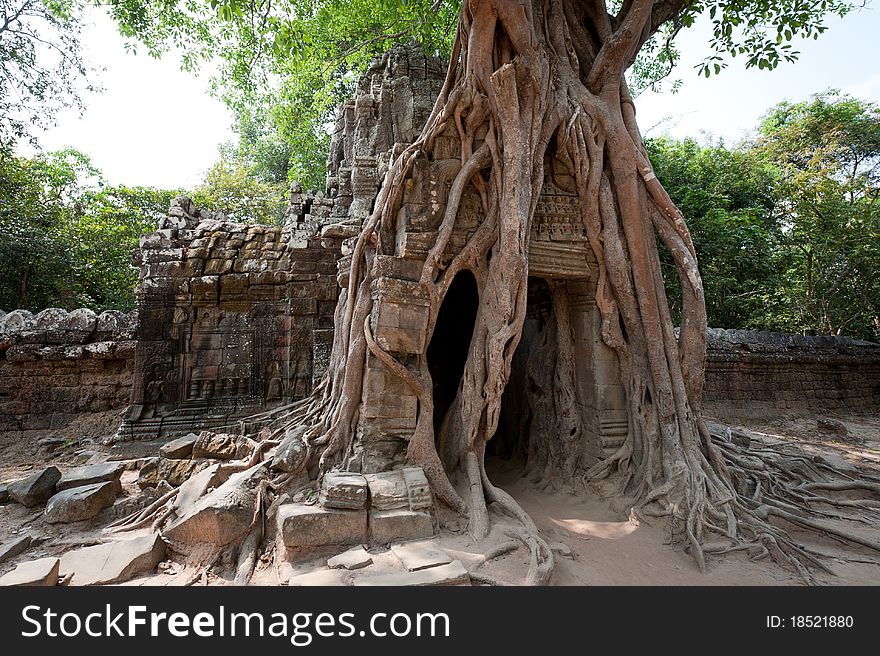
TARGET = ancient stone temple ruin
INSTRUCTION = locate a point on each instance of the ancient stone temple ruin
(237, 318)
(234, 319)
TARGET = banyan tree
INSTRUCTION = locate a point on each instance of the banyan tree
(438, 283)
(505, 284)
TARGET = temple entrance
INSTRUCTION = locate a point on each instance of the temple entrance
(448, 350)
(522, 397)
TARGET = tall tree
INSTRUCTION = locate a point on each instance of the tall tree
(827, 152)
(41, 64)
(527, 80)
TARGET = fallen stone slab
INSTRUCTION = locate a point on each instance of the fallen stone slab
(343, 491)
(452, 573)
(180, 448)
(399, 526)
(420, 555)
(135, 449)
(35, 489)
(80, 503)
(321, 577)
(12, 548)
(302, 525)
(4, 492)
(173, 472)
(356, 558)
(114, 562)
(88, 474)
(289, 455)
(42, 572)
(221, 516)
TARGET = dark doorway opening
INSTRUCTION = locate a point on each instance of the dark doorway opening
(448, 350)
(511, 439)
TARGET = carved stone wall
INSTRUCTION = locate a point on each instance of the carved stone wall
(58, 366)
(233, 317)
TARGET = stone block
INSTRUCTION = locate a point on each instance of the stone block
(222, 446)
(452, 573)
(89, 474)
(42, 572)
(387, 491)
(418, 489)
(313, 526)
(80, 503)
(220, 517)
(114, 562)
(320, 578)
(420, 555)
(355, 558)
(180, 448)
(399, 526)
(35, 489)
(14, 547)
(343, 490)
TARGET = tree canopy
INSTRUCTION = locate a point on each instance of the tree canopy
(290, 63)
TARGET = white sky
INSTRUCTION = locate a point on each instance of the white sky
(155, 125)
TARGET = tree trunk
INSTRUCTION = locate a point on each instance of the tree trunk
(528, 79)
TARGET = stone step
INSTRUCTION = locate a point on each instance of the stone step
(420, 555)
(388, 526)
(302, 525)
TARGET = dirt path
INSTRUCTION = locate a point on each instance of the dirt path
(606, 547)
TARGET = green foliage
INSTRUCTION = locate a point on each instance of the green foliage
(231, 188)
(728, 197)
(787, 228)
(68, 237)
(41, 64)
(827, 155)
(762, 31)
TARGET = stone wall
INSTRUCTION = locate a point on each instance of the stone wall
(59, 366)
(233, 318)
(753, 372)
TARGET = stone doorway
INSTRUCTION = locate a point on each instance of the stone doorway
(448, 350)
(511, 439)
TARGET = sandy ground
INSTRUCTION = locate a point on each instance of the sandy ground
(606, 547)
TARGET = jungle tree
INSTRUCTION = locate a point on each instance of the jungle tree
(527, 79)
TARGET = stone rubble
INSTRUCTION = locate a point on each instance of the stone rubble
(78, 504)
(35, 489)
(88, 474)
(42, 572)
(14, 547)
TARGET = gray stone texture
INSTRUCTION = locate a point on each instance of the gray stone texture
(78, 504)
(113, 562)
(88, 474)
(36, 488)
(42, 572)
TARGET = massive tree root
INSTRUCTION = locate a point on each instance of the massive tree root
(532, 81)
